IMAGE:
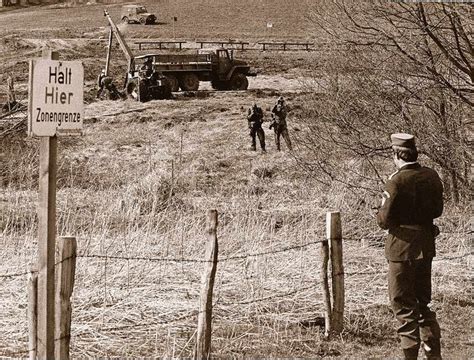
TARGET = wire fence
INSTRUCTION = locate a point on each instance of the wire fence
(176, 260)
(225, 259)
(180, 315)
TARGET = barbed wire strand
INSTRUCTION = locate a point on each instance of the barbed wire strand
(181, 260)
(229, 258)
(34, 271)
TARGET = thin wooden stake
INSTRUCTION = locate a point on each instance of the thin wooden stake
(11, 98)
(32, 311)
(181, 149)
(65, 286)
(325, 283)
(203, 337)
(334, 235)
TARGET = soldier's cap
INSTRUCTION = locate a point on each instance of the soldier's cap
(280, 99)
(403, 141)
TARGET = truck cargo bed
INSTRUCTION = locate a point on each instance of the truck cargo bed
(182, 62)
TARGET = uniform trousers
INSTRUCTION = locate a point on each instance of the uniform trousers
(282, 131)
(254, 132)
(409, 286)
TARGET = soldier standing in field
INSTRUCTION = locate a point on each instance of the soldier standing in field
(279, 125)
(255, 121)
(413, 197)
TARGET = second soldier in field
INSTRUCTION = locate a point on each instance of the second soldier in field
(279, 125)
(255, 120)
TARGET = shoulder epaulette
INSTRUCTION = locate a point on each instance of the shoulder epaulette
(392, 175)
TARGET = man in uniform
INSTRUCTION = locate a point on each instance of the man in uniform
(279, 125)
(106, 82)
(255, 120)
(147, 67)
(100, 83)
(413, 197)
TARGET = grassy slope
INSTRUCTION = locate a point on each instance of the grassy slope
(223, 19)
(118, 196)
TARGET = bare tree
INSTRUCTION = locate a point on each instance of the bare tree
(399, 67)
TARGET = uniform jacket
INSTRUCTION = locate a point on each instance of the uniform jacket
(413, 197)
(280, 111)
(255, 118)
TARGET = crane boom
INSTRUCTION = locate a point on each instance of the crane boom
(123, 45)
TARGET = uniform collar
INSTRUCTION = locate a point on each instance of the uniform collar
(410, 165)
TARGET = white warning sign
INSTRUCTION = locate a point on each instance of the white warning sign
(56, 98)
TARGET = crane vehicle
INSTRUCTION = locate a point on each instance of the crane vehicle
(141, 82)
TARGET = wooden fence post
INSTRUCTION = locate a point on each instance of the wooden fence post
(66, 271)
(325, 283)
(334, 235)
(203, 337)
(32, 311)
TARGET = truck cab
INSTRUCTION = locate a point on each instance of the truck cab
(225, 60)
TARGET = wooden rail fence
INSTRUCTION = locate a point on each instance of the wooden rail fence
(284, 45)
(241, 45)
(159, 43)
(223, 42)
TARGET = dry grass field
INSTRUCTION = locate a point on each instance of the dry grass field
(135, 189)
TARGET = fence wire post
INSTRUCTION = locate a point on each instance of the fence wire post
(203, 338)
(334, 235)
(325, 284)
(64, 288)
(32, 312)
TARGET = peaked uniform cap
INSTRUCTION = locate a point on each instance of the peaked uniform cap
(402, 140)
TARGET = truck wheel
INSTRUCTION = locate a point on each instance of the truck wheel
(173, 82)
(143, 21)
(143, 91)
(239, 82)
(125, 20)
(189, 82)
(132, 90)
(220, 85)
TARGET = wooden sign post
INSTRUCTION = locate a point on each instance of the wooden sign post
(47, 240)
(55, 107)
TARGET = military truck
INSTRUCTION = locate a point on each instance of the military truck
(218, 66)
(137, 14)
